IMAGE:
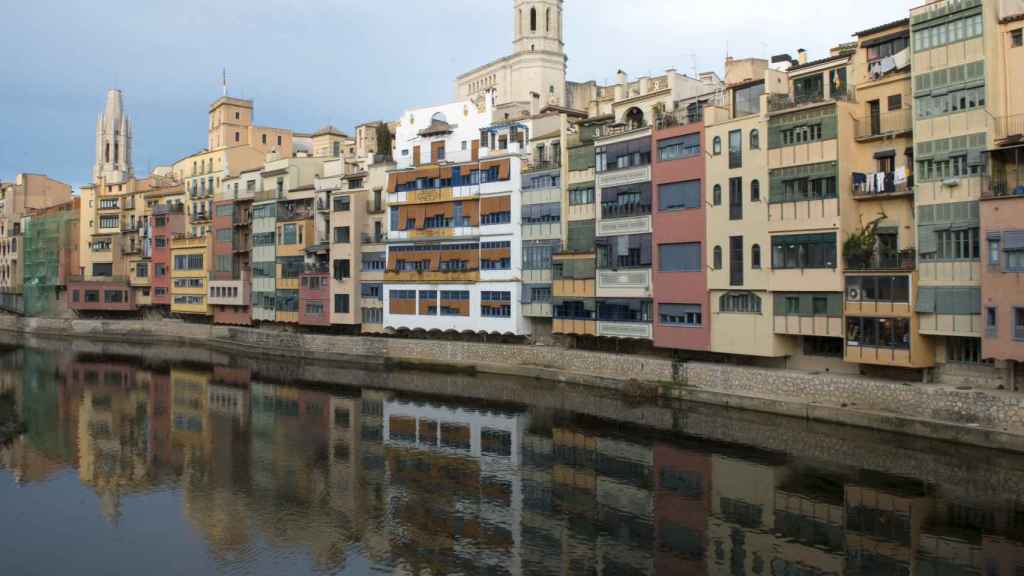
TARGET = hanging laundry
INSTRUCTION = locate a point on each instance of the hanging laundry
(860, 182)
(880, 182)
(901, 59)
(901, 175)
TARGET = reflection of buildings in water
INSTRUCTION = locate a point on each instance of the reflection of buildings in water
(454, 485)
(808, 524)
(682, 504)
(113, 433)
(740, 538)
(883, 526)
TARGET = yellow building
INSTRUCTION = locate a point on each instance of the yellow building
(190, 260)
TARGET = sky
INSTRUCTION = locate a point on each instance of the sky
(342, 62)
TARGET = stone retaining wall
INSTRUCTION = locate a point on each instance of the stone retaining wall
(993, 409)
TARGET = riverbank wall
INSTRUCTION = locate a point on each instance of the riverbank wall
(982, 417)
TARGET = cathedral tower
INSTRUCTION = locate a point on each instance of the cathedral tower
(113, 142)
(538, 26)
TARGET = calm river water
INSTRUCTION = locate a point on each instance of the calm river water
(174, 461)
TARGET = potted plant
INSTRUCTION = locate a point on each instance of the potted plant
(859, 247)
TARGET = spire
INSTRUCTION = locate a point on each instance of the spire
(113, 141)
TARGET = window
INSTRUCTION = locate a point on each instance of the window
(142, 270)
(1017, 38)
(736, 260)
(716, 145)
(627, 200)
(736, 149)
(991, 321)
(889, 289)
(679, 257)
(895, 102)
(686, 146)
(159, 270)
(679, 195)
(739, 303)
(289, 234)
(537, 255)
(963, 244)
(624, 311)
(823, 346)
(188, 262)
(623, 155)
(717, 195)
(494, 218)
(615, 252)
(747, 100)
(342, 235)
(679, 314)
(804, 251)
(115, 296)
(755, 256)
(341, 303)
(1018, 322)
(581, 196)
(342, 203)
(223, 263)
(316, 308)
(755, 139)
(717, 258)
(342, 269)
(735, 198)
(496, 304)
(963, 350)
(993, 251)
(92, 296)
(108, 221)
(755, 191)
(542, 213)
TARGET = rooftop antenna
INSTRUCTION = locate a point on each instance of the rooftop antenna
(224, 80)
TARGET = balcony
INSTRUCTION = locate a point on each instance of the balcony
(374, 207)
(609, 210)
(129, 227)
(241, 244)
(323, 203)
(240, 218)
(903, 261)
(783, 102)
(131, 249)
(317, 268)
(885, 125)
(678, 118)
(610, 130)
(374, 238)
(164, 209)
(539, 165)
(267, 195)
(864, 189)
(292, 213)
(1009, 129)
(1005, 176)
(199, 216)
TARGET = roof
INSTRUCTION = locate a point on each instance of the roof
(436, 127)
(564, 110)
(883, 27)
(329, 130)
(835, 58)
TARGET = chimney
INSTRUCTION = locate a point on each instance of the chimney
(622, 86)
(801, 56)
(645, 85)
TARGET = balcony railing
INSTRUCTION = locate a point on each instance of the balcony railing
(373, 207)
(1010, 127)
(293, 213)
(200, 216)
(265, 195)
(868, 187)
(374, 238)
(241, 244)
(161, 209)
(130, 227)
(323, 205)
(902, 260)
(885, 124)
(780, 102)
(317, 268)
(1005, 176)
(619, 129)
(240, 219)
(678, 118)
(536, 166)
(624, 210)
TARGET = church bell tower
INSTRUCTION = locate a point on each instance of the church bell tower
(538, 26)
(113, 142)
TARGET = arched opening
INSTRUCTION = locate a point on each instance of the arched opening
(718, 258)
(755, 256)
(439, 117)
(755, 191)
(547, 21)
(755, 139)
(533, 19)
(634, 118)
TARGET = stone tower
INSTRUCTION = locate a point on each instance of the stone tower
(538, 26)
(113, 142)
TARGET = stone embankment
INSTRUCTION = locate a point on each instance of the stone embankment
(991, 418)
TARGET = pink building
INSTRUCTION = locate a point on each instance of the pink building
(168, 221)
(1002, 270)
(682, 318)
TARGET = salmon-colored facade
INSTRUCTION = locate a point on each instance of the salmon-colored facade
(1002, 279)
(675, 226)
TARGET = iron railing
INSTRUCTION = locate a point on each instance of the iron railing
(904, 260)
(885, 124)
(862, 189)
(781, 102)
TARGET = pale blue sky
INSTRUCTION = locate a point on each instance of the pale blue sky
(338, 62)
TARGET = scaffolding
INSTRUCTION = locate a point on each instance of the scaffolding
(48, 239)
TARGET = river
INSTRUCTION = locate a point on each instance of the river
(166, 460)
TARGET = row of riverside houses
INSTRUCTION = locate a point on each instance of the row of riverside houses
(863, 211)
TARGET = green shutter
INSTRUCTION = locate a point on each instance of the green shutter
(926, 243)
(925, 300)
(829, 128)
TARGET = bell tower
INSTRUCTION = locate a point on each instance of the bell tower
(113, 142)
(538, 26)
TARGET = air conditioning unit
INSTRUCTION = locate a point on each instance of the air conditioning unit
(853, 295)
